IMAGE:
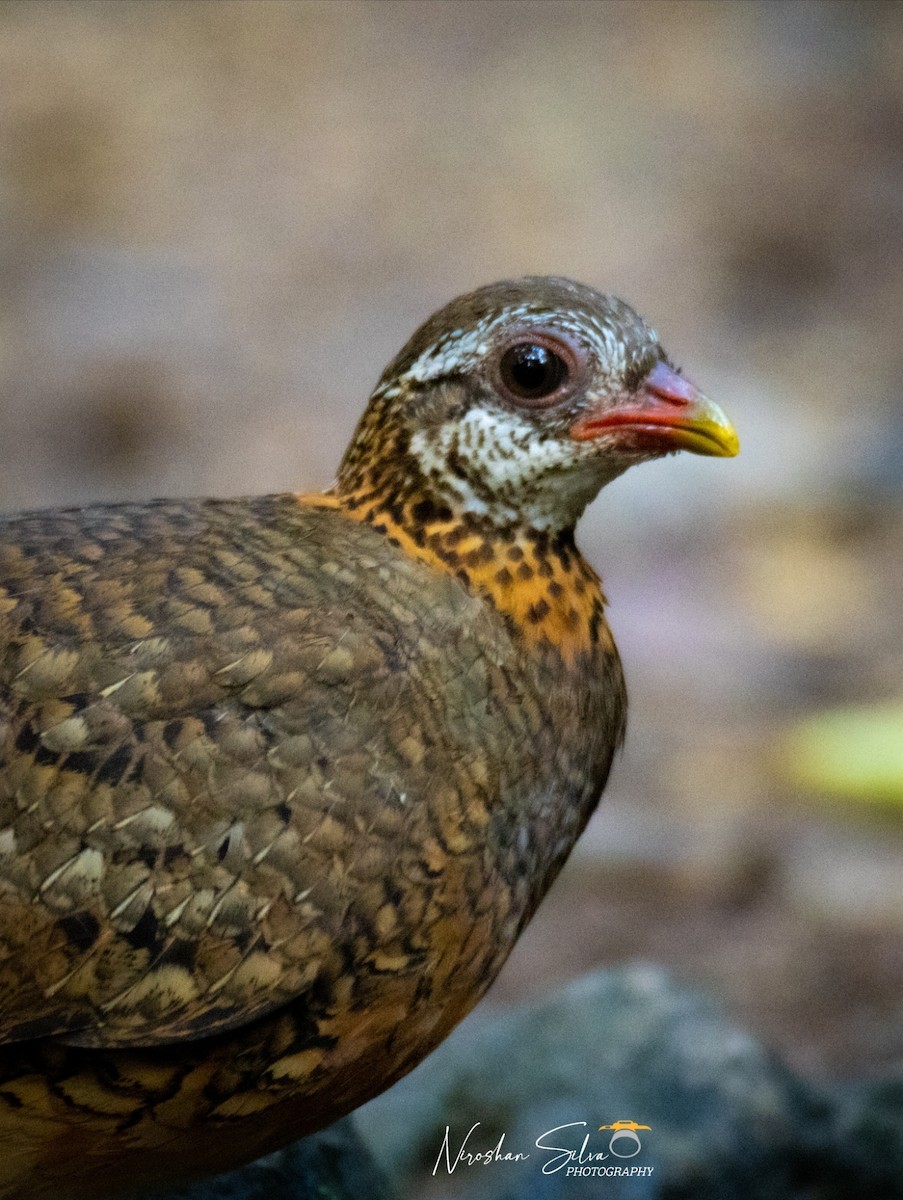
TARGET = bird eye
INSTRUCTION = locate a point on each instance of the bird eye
(532, 373)
(537, 369)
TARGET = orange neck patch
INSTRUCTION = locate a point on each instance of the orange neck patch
(540, 582)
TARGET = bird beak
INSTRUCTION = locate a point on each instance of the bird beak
(666, 413)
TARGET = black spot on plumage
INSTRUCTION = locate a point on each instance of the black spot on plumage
(211, 723)
(183, 952)
(563, 540)
(85, 762)
(44, 757)
(424, 511)
(28, 739)
(595, 622)
(144, 935)
(82, 929)
(542, 542)
(243, 939)
(116, 767)
(171, 731)
(538, 612)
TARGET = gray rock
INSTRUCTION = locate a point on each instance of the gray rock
(727, 1120)
(868, 1127)
(332, 1165)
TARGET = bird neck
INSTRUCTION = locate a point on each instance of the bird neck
(538, 581)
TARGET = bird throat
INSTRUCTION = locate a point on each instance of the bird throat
(538, 581)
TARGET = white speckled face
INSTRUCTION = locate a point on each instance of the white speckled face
(512, 474)
(507, 461)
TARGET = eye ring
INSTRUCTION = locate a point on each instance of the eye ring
(535, 369)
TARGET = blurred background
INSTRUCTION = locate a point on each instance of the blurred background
(221, 220)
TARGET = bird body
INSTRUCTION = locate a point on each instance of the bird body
(205, 821)
(282, 779)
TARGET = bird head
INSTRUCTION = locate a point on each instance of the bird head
(516, 403)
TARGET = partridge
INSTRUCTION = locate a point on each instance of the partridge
(283, 778)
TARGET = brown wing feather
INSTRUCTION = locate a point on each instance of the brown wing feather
(195, 810)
